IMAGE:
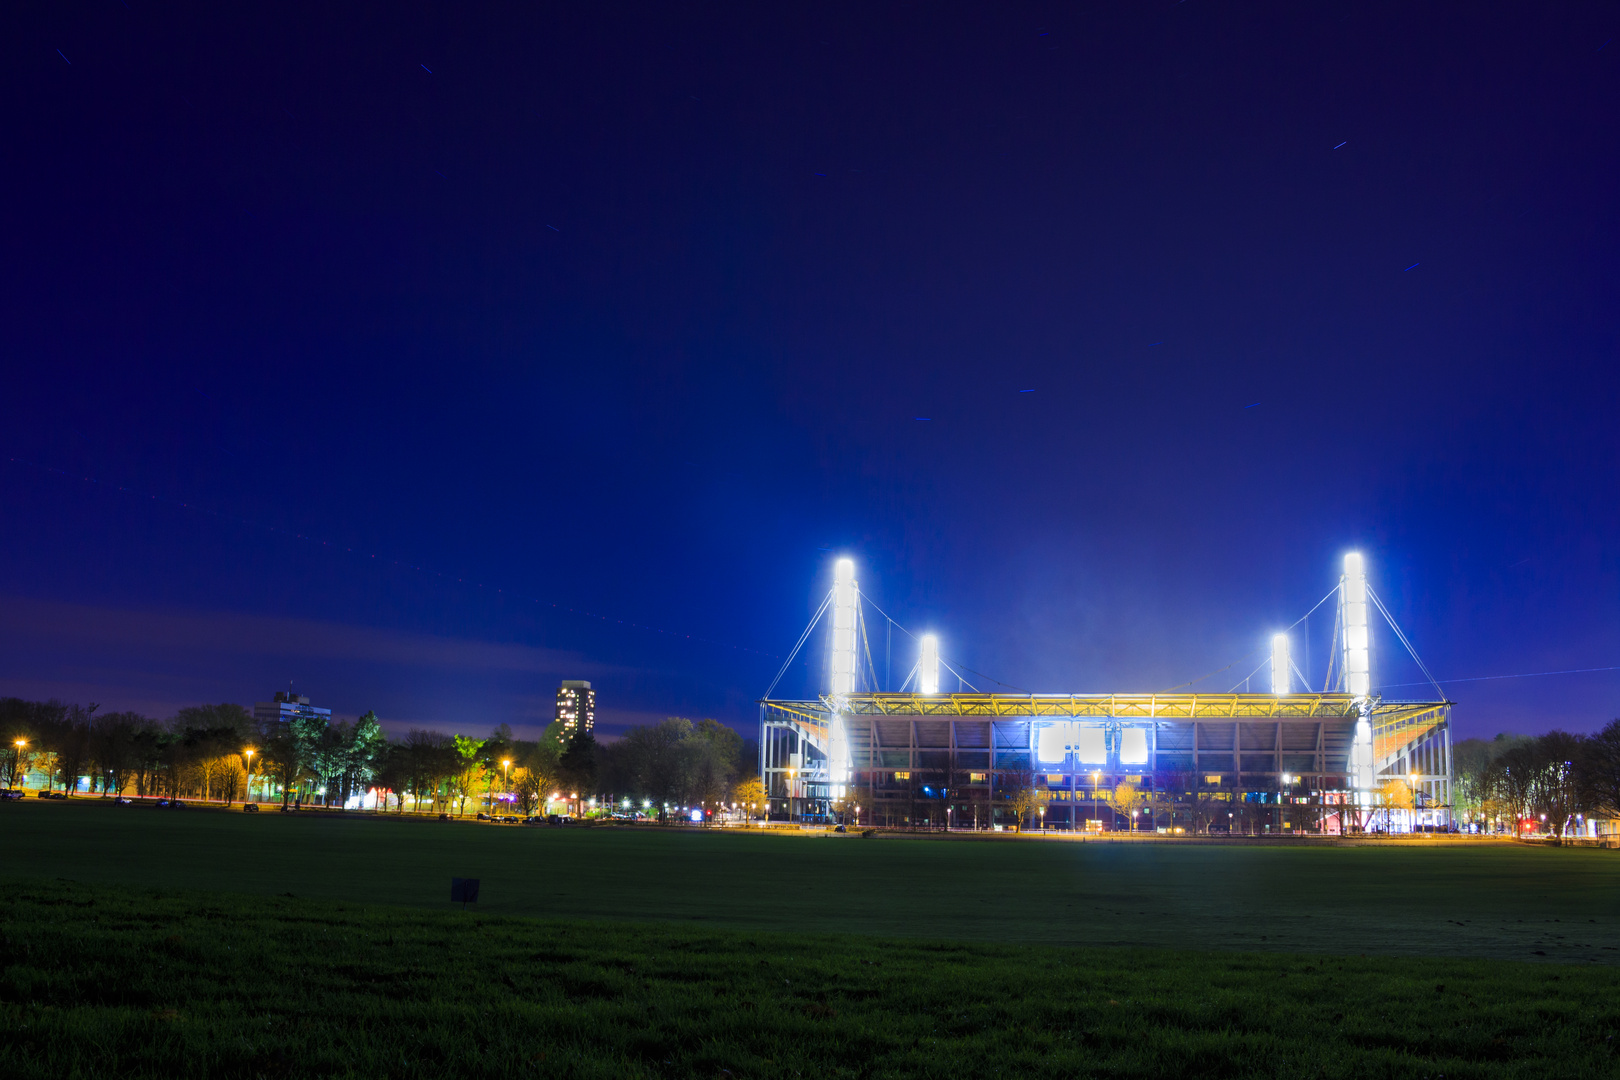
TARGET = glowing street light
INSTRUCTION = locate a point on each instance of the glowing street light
(248, 755)
(16, 761)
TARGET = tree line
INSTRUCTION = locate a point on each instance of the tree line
(1558, 776)
(218, 751)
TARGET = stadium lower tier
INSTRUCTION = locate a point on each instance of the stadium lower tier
(1277, 772)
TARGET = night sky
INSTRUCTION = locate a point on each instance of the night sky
(424, 355)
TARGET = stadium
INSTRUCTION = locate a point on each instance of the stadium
(1287, 762)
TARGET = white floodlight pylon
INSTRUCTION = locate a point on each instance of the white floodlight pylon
(841, 662)
(928, 666)
(1280, 674)
(1357, 639)
(1357, 668)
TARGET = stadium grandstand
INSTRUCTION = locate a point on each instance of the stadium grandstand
(1292, 761)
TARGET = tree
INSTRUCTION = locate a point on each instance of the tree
(750, 796)
(657, 757)
(1127, 799)
(1024, 802)
(1558, 780)
(1023, 797)
(282, 757)
(577, 764)
(1513, 779)
(1394, 795)
(1600, 770)
(1208, 806)
(116, 750)
(469, 768)
(430, 759)
(367, 744)
(68, 741)
(529, 788)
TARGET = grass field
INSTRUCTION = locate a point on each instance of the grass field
(1489, 900)
(171, 951)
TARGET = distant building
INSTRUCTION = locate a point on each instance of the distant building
(288, 706)
(576, 705)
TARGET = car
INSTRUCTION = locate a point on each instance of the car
(250, 808)
(176, 804)
(120, 801)
(161, 804)
(511, 820)
(841, 829)
(12, 794)
(484, 817)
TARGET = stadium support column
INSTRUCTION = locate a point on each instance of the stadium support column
(928, 665)
(841, 665)
(1280, 677)
(1357, 668)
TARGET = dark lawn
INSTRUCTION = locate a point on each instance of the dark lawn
(118, 981)
(1455, 900)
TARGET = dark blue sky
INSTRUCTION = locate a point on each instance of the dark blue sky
(635, 309)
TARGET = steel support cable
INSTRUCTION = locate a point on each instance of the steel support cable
(865, 640)
(958, 674)
(1250, 675)
(1251, 652)
(1396, 627)
(1522, 675)
(980, 674)
(802, 639)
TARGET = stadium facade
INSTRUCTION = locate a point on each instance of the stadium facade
(1285, 762)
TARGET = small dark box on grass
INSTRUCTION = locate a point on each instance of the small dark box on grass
(463, 890)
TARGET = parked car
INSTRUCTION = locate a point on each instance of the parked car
(161, 804)
(12, 794)
(250, 808)
(120, 801)
(484, 817)
(557, 819)
(176, 804)
(511, 820)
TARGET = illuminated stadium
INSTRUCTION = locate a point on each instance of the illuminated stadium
(1291, 761)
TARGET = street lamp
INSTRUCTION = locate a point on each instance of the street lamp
(16, 761)
(1096, 777)
(1043, 818)
(248, 755)
(1411, 782)
(506, 777)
